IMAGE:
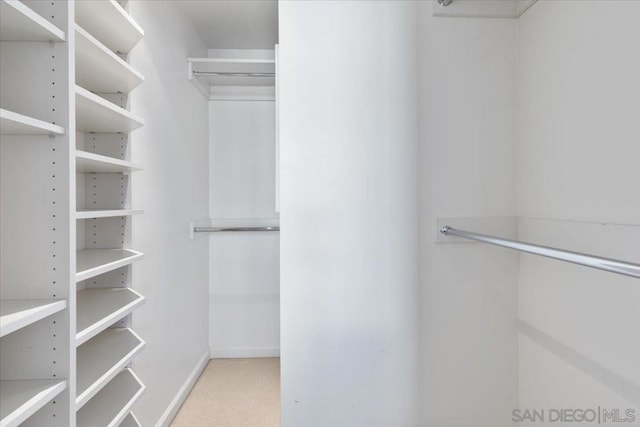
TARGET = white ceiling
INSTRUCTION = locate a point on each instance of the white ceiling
(234, 24)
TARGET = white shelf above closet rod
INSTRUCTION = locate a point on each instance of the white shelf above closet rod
(231, 72)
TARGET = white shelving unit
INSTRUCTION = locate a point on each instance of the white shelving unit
(113, 403)
(106, 388)
(21, 399)
(18, 22)
(109, 23)
(102, 358)
(66, 297)
(101, 307)
(36, 302)
(96, 163)
(96, 114)
(93, 262)
(18, 124)
(16, 314)
(100, 70)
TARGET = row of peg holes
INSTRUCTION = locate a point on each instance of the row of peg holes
(53, 215)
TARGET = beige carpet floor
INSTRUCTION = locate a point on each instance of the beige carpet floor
(234, 393)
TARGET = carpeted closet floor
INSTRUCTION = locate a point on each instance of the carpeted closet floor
(234, 393)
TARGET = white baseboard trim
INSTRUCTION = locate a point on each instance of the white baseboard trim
(244, 353)
(173, 408)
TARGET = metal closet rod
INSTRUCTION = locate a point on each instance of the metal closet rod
(232, 74)
(606, 264)
(225, 229)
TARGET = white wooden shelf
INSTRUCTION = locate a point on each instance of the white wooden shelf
(106, 213)
(99, 308)
(19, 23)
(107, 21)
(92, 262)
(113, 403)
(232, 65)
(99, 69)
(12, 123)
(16, 314)
(130, 421)
(96, 163)
(102, 358)
(21, 399)
(96, 114)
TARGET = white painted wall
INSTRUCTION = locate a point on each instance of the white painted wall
(468, 292)
(348, 135)
(244, 306)
(578, 178)
(173, 189)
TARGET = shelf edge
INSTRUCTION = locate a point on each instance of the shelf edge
(31, 122)
(94, 329)
(42, 312)
(99, 158)
(111, 373)
(107, 213)
(104, 268)
(35, 403)
(33, 16)
(110, 106)
(109, 53)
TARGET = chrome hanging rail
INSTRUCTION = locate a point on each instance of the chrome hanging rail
(225, 229)
(607, 264)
